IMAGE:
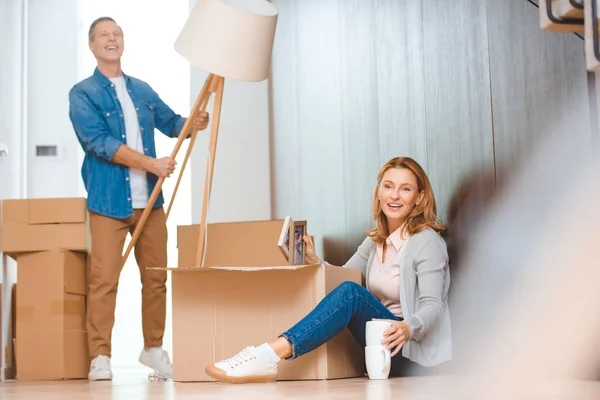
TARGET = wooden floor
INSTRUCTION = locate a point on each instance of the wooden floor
(135, 385)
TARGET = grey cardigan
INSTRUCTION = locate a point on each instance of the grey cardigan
(424, 283)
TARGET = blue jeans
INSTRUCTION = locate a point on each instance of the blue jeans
(349, 305)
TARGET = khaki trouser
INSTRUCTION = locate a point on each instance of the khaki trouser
(108, 239)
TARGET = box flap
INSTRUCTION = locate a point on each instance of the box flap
(235, 268)
(252, 244)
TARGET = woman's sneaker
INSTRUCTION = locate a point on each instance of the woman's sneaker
(245, 367)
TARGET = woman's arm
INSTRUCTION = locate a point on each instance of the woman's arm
(431, 264)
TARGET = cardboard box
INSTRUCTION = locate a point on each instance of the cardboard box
(43, 224)
(251, 244)
(51, 341)
(217, 311)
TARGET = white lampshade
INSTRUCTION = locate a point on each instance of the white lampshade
(230, 38)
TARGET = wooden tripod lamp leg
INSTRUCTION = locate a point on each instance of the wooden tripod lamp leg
(187, 156)
(202, 99)
(214, 133)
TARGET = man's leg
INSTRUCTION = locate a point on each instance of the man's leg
(151, 251)
(108, 238)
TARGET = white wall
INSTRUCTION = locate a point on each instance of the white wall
(12, 123)
(11, 97)
(53, 51)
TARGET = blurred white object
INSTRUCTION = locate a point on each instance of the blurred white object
(527, 307)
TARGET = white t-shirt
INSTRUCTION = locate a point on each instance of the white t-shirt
(137, 177)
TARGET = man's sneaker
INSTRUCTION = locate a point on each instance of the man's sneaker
(100, 369)
(158, 360)
(244, 367)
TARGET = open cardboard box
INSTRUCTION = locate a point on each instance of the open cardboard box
(218, 310)
(30, 225)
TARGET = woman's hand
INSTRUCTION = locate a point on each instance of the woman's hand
(396, 335)
(309, 251)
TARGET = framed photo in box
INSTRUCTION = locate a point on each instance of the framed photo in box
(284, 243)
(299, 250)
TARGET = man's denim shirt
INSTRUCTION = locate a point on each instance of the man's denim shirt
(97, 117)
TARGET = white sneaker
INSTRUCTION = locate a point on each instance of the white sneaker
(158, 360)
(244, 367)
(100, 369)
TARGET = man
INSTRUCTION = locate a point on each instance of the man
(114, 117)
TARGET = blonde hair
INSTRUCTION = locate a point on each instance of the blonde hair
(422, 216)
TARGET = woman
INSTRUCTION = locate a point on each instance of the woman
(405, 263)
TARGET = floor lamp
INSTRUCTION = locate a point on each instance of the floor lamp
(230, 39)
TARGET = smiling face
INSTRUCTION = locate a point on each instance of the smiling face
(398, 194)
(106, 42)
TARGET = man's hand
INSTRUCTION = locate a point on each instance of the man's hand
(163, 167)
(199, 123)
(396, 335)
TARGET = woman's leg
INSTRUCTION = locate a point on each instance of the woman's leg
(349, 305)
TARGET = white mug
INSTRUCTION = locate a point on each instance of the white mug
(374, 332)
(379, 361)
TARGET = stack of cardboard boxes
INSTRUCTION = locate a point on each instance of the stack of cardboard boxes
(49, 240)
(247, 294)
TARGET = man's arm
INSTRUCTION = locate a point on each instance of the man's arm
(91, 129)
(161, 167)
(165, 119)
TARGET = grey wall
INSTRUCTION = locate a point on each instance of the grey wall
(457, 85)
